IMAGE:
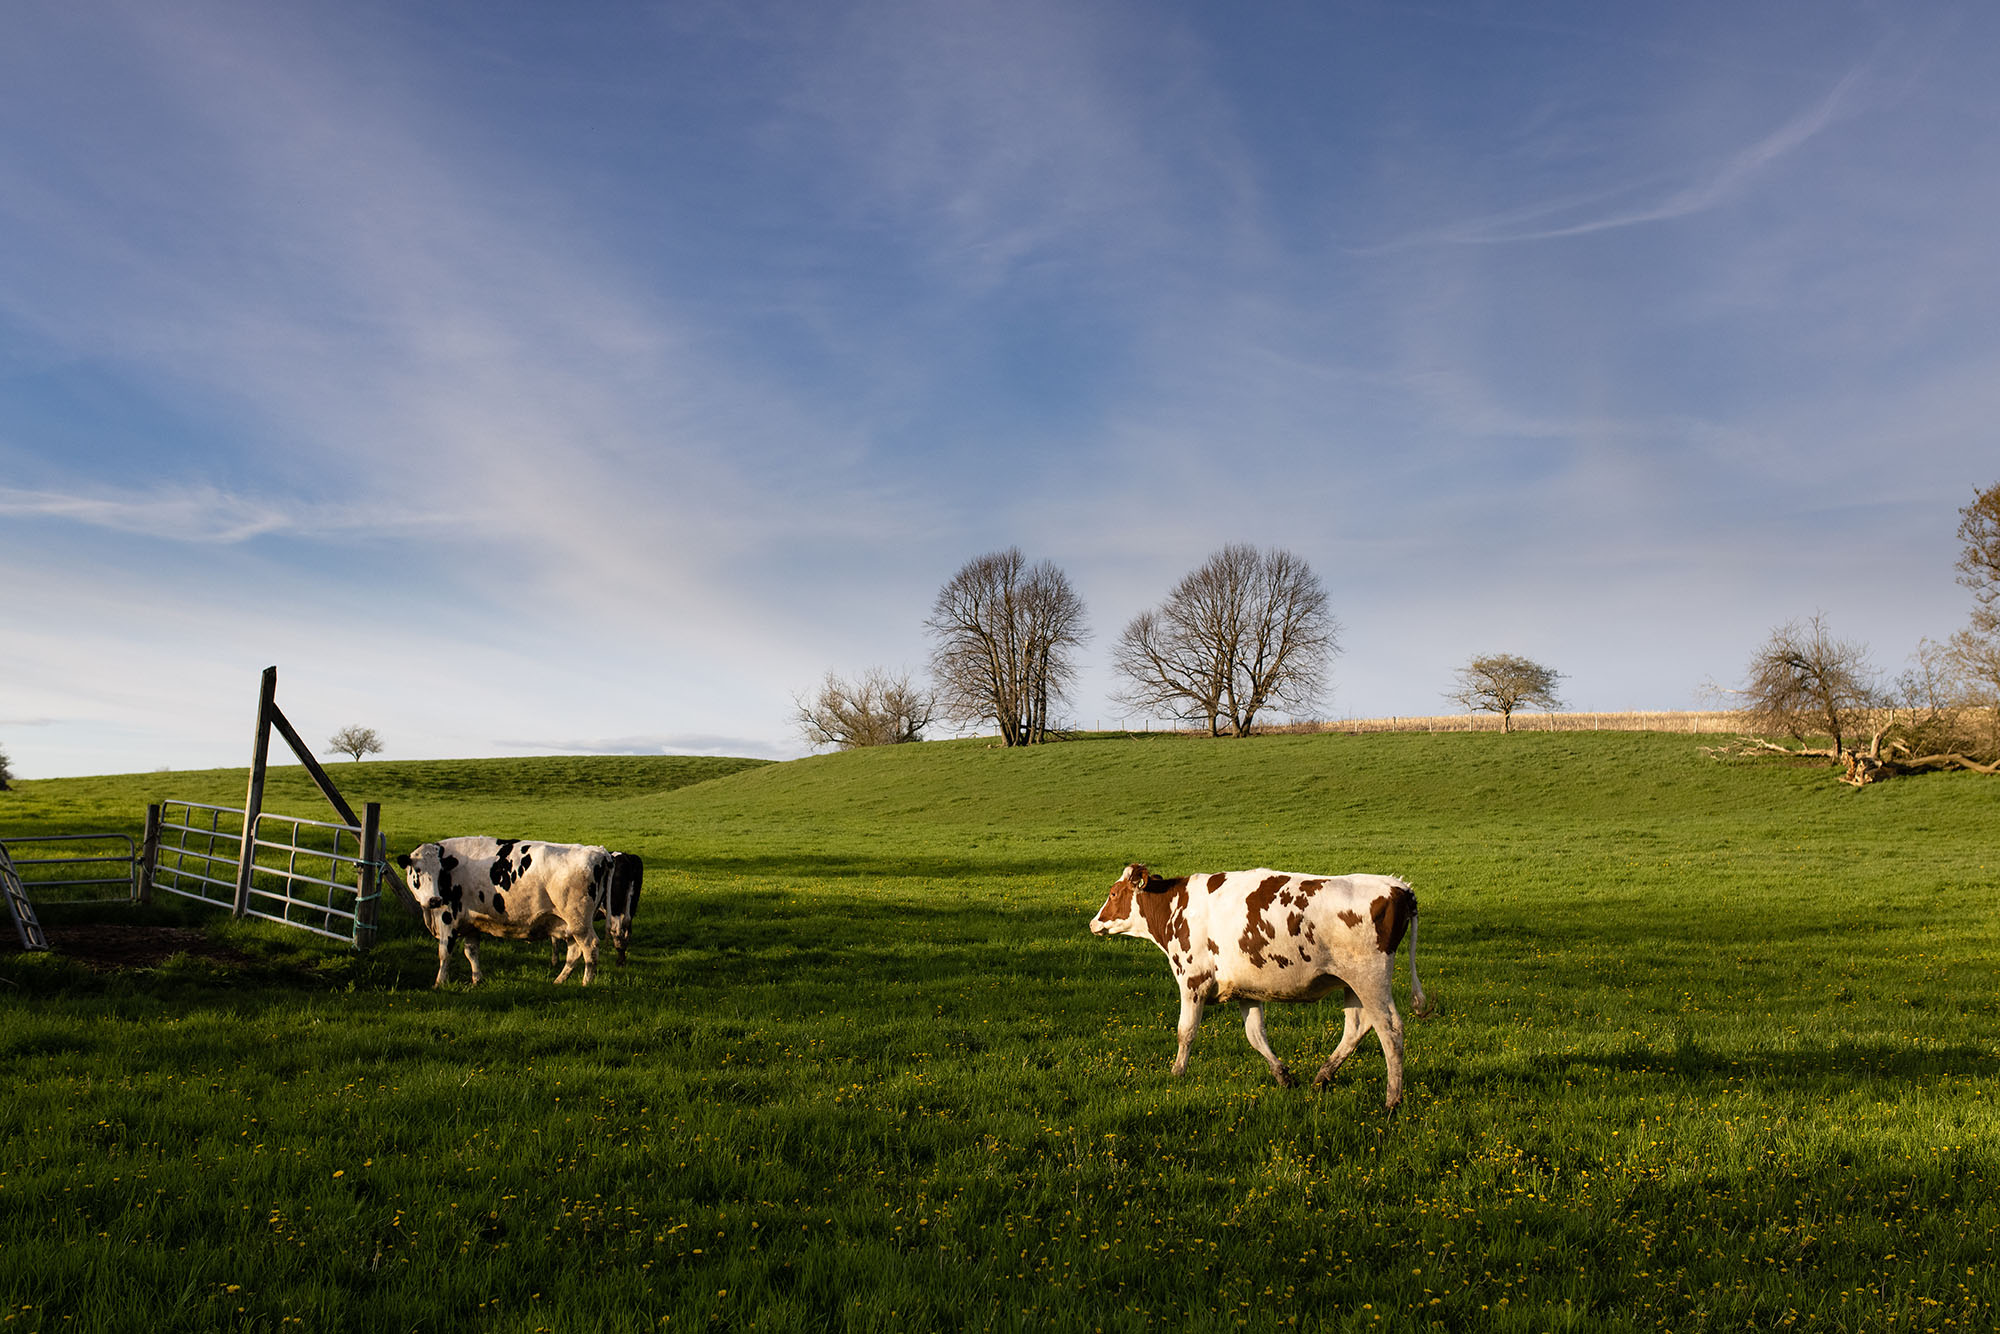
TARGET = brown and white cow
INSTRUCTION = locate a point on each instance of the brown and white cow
(512, 888)
(1263, 935)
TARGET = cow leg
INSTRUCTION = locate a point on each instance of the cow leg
(569, 958)
(1378, 1004)
(582, 948)
(1253, 1028)
(1351, 1033)
(444, 940)
(1190, 1021)
(472, 956)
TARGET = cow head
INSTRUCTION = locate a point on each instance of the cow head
(621, 905)
(429, 869)
(1121, 914)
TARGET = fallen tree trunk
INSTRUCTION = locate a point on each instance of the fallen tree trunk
(1862, 770)
(1859, 768)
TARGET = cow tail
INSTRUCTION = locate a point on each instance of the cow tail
(1419, 1007)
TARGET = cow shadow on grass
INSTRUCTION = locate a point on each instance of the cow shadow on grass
(716, 941)
(986, 869)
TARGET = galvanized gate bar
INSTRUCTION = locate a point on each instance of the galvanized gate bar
(26, 924)
(289, 880)
(170, 866)
(127, 859)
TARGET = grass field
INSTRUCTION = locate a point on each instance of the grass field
(1714, 1050)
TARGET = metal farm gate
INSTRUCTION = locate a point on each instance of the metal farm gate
(315, 875)
(321, 876)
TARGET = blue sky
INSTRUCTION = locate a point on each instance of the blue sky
(524, 378)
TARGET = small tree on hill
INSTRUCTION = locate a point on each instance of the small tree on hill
(877, 710)
(1503, 682)
(354, 741)
(1246, 631)
(1805, 683)
(1005, 634)
(6, 772)
(1975, 650)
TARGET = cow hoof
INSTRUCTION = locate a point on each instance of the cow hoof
(1286, 1079)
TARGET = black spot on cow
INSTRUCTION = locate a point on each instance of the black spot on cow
(499, 904)
(449, 889)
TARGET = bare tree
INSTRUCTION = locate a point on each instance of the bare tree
(876, 710)
(1503, 682)
(1934, 713)
(1975, 650)
(1244, 632)
(1005, 634)
(1805, 683)
(354, 740)
(1979, 564)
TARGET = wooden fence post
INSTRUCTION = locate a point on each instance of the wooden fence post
(149, 855)
(253, 800)
(368, 885)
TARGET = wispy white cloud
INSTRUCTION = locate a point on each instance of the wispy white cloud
(187, 514)
(1660, 196)
(673, 743)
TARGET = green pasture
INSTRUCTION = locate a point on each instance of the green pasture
(1714, 1050)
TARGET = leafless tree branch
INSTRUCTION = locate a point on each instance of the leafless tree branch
(1005, 633)
(876, 710)
(1243, 633)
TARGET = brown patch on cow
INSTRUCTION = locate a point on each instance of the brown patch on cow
(1349, 916)
(1201, 986)
(1308, 888)
(1256, 931)
(1160, 904)
(1117, 904)
(1392, 913)
(1211, 948)
(1215, 881)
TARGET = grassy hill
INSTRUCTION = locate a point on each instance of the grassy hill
(1714, 1049)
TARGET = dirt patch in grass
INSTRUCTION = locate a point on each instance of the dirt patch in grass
(113, 947)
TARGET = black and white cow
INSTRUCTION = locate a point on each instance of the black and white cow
(1263, 935)
(513, 888)
(628, 877)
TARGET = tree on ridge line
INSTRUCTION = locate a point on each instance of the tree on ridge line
(1006, 632)
(1243, 632)
(354, 741)
(1503, 682)
(875, 710)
